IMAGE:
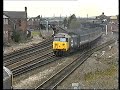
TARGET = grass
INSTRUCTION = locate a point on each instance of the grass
(35, 33)
(97, 74)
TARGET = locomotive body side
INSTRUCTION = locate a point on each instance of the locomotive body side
(74, 42)
(91, 36)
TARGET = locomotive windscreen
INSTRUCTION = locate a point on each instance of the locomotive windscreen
(62, 39)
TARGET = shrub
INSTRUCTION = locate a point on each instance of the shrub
(40, 35)
(16, 36)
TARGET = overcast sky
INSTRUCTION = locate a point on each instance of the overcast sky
(50, 8)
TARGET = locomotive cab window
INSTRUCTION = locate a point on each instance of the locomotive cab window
(56, 39)
(61, 39)
(66, 39)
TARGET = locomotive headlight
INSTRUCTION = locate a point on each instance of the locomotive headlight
(71, 44)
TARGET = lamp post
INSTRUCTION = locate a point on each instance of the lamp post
(46, 25)
(105, 20)
(106, 29)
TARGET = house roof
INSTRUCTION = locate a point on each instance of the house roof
(15, 14)
(4, 16)
(12, 20)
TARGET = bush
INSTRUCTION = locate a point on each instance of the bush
(40, 35)
(16, 36)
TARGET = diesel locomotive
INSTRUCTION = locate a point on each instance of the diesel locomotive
(65, 43)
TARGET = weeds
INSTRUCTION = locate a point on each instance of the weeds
(94, 75)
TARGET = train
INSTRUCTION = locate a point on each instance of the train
(72, 40)
(7, 78)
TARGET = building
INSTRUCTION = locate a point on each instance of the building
(114, 19)
(14, 20)
(113, 24)
(6, 29)
(103, 18)
(34, 23)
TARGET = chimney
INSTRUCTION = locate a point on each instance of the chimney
(26, 11)
(102, 13)
(26, 17)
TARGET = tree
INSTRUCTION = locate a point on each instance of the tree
(70, 19)
(16, 36)
(73, 17)
(75, 24)
(65, 22)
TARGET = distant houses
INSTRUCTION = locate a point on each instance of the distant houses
(113, 24)
(14, 20)
(39, 23)
(34, 23)
(114, 19)
(110, 21)
(19, 22)
(103, 18)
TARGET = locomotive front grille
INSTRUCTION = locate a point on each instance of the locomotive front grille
(60, 46)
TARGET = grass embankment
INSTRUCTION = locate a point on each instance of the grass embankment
(35, 33)
(99, 74)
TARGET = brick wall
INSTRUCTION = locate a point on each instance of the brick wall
(6, 33)
(23, 26)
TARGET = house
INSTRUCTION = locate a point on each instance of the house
(6, 28)
(34, 23)
(14, 20)
(103, 17)
(114, 19)
(113, 24)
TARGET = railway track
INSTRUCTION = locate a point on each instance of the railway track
(31, 64)
(30, 58)
(35, 64)
(12, 58)
(7, 58)
(25, 59)
(60, 76)
(28, 49)
(27, 55)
